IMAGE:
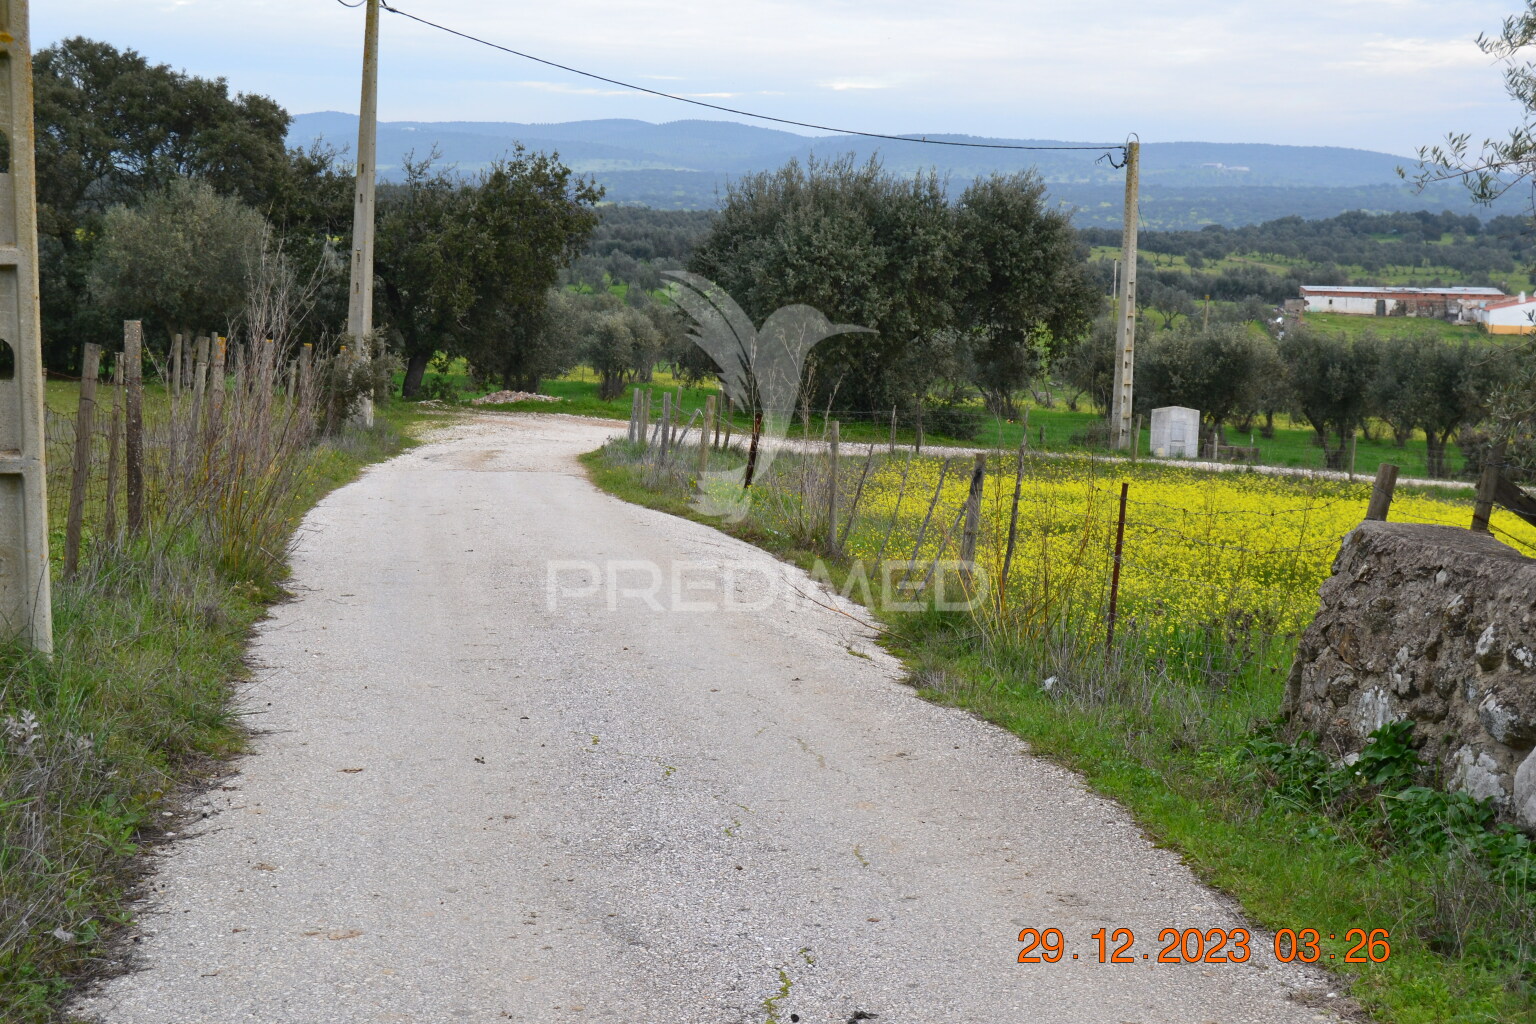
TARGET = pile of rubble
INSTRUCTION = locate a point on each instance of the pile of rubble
(499, 397)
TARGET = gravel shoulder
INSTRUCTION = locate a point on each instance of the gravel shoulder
(499, 776)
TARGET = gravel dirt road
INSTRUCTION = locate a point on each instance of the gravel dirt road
(499, 776)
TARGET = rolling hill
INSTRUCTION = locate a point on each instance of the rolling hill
(686, 164)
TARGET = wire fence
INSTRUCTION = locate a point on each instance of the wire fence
(1207, 563)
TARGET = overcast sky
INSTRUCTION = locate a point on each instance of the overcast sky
(1374, 74)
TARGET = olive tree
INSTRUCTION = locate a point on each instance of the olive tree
(181, 259)
(1328, 377)
(1022, 292)
(855, 242)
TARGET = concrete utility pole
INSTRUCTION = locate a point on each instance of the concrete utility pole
(26, 610)
(360, 306)
(1125, 313)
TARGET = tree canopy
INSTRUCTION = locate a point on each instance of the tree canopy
(464, 265)
(993, 282)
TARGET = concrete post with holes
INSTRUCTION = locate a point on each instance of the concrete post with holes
(25, 594)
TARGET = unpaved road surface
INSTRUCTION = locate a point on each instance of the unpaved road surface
(477, 795)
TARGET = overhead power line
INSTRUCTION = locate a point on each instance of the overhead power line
(1108, 149)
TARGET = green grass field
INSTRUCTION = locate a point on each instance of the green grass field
(1514, 281)
(1056, 429)
(1395, 327)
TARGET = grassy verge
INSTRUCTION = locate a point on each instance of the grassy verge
(1186, 747)
(150, 638)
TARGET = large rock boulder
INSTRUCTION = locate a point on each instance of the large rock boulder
(1437, 625)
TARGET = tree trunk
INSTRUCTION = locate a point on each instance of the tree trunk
(1434, 449)
(1000, 403)
(415, 370)
(1333, 458)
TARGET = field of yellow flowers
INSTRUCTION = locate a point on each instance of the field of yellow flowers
(1240, 551)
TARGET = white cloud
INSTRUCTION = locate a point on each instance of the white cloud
(846, 84)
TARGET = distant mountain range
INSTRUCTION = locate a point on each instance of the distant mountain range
(686, 164)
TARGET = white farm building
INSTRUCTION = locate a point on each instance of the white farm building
(1515, 315)
(1457, 304)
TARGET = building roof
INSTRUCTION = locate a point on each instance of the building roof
(1513, 300)
(1395, 289)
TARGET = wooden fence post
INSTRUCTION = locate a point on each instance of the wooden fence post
(133, 380)
(972, 516)
(80, 477)
(634, 414)
(199, 381)
(709, 415)
(114, 435)
(1381, 492)
(645, 419)
(1024, 437)
(307, 369)
(757, 433)
(218, 345)
(1487, 487)
(834, 436)
(1013, 516)
(1114, 584)
(666, 423)
(730, 421)
(175, 380)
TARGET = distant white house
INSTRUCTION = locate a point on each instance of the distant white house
(1457, 304)
(1515, 315)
